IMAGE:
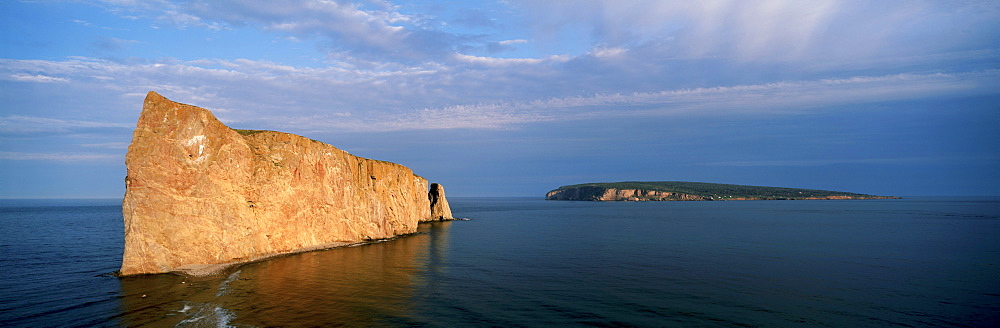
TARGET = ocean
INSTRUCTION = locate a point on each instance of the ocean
(526, 262)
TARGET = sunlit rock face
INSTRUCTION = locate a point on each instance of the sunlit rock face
(199, 192)
(440, 210)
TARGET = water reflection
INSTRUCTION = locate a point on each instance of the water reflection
(370, 285)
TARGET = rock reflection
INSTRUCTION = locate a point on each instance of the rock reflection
(370, 285)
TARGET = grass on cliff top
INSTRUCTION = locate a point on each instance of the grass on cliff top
(252, 132)
(249, 132)
(244, 132)
(716, 190)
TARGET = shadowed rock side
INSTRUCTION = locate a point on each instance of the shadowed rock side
(440, 210)
(198, 192)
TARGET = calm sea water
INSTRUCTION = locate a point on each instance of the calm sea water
(527, 262)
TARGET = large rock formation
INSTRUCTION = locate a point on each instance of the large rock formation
(440, 210)
(198, 192)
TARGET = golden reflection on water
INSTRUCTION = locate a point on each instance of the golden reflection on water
(369, 285)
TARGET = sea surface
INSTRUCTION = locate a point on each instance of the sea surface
(520, 262)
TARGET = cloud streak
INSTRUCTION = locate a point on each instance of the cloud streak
(370, 28)
(37, 78)
(19, 124)
(772, 30)
(59, 157)
(766, 99)
(435, 97)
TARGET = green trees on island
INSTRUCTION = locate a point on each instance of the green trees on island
(710, 191)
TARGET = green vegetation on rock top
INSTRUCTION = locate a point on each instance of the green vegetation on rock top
(249, 132)
(713, 190)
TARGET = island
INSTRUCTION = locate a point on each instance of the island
(201, 195)
(691, 191)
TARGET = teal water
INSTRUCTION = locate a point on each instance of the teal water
(917, 262)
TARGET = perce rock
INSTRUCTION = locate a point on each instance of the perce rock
(199, 193)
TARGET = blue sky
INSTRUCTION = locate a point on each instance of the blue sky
(514, 98)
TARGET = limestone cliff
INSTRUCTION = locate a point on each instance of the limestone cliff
(198, 192)
(440, 210)
(612, 194)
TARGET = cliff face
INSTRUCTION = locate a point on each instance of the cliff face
(440, 210)
(613, 194)
(198, 192)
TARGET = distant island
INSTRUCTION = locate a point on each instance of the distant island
(691, 191)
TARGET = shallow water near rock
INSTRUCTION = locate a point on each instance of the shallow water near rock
(530, 262)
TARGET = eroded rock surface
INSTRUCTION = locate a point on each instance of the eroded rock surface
(198, 192)
(440, 210)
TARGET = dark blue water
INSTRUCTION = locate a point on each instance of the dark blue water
(915, 262)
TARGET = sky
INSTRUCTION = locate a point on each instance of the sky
(515, 98)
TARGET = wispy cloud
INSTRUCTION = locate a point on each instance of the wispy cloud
(493, 61)
(773, 30)
(89, 24)
(770, 98)
(30, 124)
(38, 78)
(184, 20)
(377, 30)
(373, 32)
(441, 97)
(61, 157)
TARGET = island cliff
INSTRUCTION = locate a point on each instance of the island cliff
(201, 193)
(686, 191)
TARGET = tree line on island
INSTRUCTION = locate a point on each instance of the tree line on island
(691, 191)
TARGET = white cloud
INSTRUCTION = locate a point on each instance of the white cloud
(38, 78)
(374, 32)
(32, 124)
(515, 41)
(773, 30)
(382, 31)
(769, 99)
(482, 93)
(184, 20)
(605, 52)
(61, 157)
(494, 61)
